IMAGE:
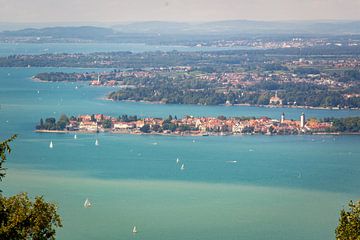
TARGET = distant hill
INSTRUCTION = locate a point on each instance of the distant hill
(84, 32)
(242, 27)
(178, 32)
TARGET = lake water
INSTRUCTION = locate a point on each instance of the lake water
(235, 187)
(44, 48)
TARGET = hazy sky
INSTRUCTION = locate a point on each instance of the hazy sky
(175, 10)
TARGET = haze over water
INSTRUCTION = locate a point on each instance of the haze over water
(235, 187)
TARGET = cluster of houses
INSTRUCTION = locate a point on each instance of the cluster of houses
(198, 125)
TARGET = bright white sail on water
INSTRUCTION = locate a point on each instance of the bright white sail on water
(87, 203)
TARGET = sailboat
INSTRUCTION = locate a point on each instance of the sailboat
(182, 167)
(87, 203)
(75, 137)
(177, 160)
(96, 143)
(51, 144)
(134, 230)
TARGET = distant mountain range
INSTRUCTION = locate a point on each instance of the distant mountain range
(156, 30)
(85, 32)
(243, 27)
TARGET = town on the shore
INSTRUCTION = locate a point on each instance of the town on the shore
(200, 126)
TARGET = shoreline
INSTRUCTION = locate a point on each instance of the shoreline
(106, 98)
(204, 134)
(238, 105)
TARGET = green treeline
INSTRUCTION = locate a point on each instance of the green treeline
(349, 124)
(52, 124)
(300, 94)
(61, 76)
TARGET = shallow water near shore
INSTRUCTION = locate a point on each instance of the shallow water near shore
(232, 187)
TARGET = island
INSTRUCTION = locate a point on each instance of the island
(199, 126)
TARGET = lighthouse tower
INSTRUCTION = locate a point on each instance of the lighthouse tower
(302, 120)
(282, 118)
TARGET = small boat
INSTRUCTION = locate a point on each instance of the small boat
(134, 230)
(51, 144)
(177, 160)
(96, 143)
(182, 167)
(75, 137)
(234, 161)
(87, 203)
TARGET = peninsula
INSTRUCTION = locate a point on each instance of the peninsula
(276, 77)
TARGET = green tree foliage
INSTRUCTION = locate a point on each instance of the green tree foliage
(169, 126)
(349, 223)
(305, 71)
(52, 124)
(107, 123)
(145, 128)
(20, 218)
(4, 148)
(349, 124)
(126, 118)
(62, 122)
(350, 76)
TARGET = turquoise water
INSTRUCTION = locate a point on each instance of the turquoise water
(280, 187)
(36, 48)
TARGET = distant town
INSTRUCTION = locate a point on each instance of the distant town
(199, 126)
(326, 77)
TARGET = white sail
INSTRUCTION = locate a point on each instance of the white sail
(96, 143)
(134, 229)
(87, 203)
(51, 144)
(75, 137)
(182, 167)
(177, 160)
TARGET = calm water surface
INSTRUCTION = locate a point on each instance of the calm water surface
(236, 187)
(44, 48)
